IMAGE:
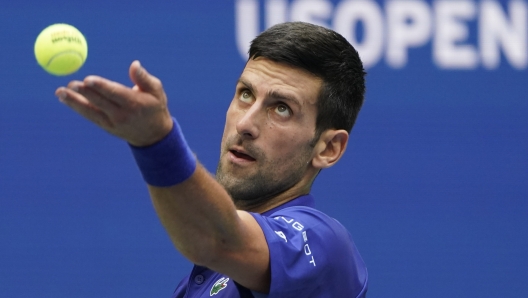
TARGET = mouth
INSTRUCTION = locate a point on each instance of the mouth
(241, 155)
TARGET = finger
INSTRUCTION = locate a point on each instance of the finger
(144, 81)
(117, 93)
(109, 107)
(81, 105)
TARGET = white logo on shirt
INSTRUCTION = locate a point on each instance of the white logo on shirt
(299, 227)
(281, 234)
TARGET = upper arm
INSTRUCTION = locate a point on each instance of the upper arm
(246, 257)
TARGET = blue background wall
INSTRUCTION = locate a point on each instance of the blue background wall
(433, 187)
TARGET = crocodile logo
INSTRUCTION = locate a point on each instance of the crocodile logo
(219, 286)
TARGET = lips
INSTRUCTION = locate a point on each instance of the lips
(240, 153)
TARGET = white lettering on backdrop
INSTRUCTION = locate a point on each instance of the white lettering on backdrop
(463, 34)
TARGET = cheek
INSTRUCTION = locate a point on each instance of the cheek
(285, 147)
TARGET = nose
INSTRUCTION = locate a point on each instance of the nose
(248, 125)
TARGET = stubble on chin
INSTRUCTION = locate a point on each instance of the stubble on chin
(251, 190)
(242, 188)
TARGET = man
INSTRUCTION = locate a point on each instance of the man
(252, 231)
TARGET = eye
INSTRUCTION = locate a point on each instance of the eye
(283, 110)
(246, 96)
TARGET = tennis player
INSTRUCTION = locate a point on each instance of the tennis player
(253, 230)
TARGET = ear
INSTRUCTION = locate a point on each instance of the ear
(329, 148)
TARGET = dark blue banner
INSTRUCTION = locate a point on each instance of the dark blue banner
(433, 186)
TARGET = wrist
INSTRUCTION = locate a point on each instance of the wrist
(167, 162)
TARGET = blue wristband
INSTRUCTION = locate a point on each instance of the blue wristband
(167, 162)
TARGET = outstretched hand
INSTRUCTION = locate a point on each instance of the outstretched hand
(138, 115)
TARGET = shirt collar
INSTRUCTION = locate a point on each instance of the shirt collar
(304, 200)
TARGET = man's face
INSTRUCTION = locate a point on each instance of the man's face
(270, 124)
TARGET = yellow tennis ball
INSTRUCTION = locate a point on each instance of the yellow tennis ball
(61, 49)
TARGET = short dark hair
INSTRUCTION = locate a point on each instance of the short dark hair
(327, 55)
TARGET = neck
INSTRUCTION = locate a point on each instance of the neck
(265, 203)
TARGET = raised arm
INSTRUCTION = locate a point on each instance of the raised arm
(198, 214)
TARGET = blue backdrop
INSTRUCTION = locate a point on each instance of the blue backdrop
(433, 186)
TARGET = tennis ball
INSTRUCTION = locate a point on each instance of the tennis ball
(61, 49)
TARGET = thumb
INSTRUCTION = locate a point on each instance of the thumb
(144, 81)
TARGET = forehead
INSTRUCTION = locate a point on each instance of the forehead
(267, 76)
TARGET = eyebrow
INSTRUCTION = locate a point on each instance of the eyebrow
(247, 84)
(273, 93)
